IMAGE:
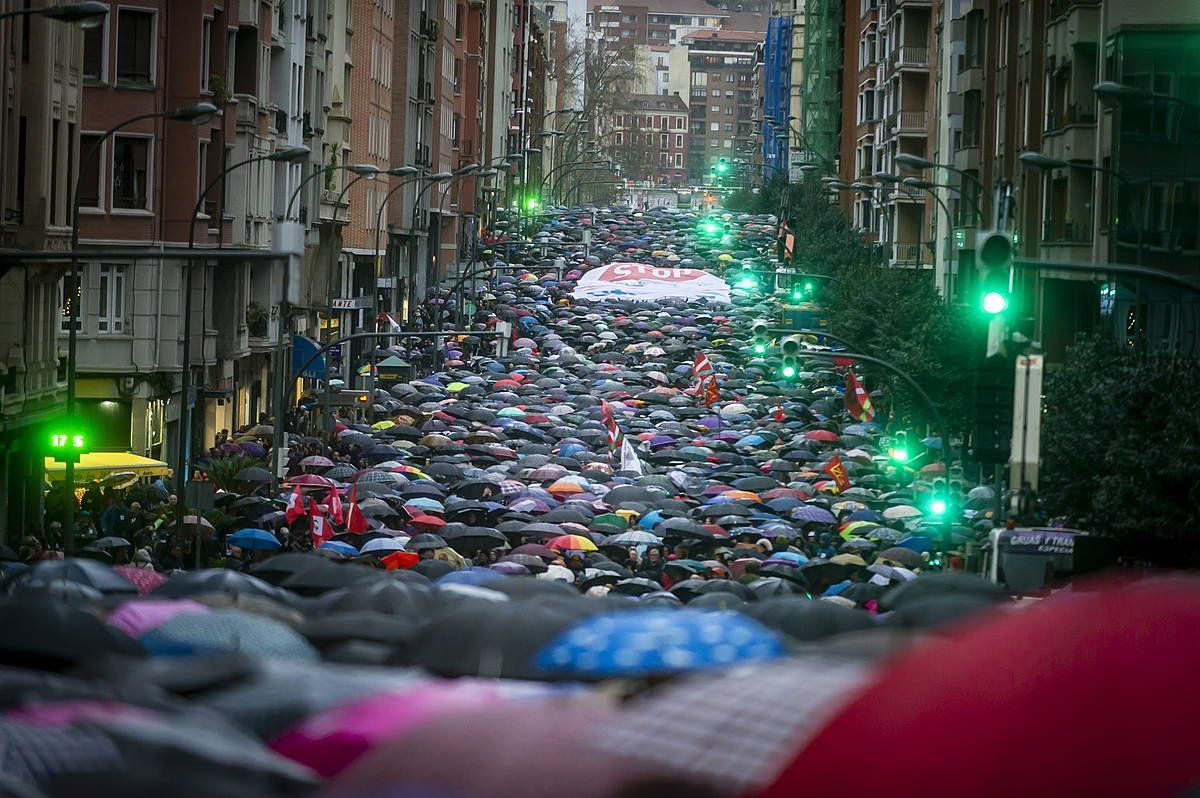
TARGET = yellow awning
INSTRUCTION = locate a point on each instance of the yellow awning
(97, 465)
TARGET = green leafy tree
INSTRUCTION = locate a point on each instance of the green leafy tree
(1120, 444)
(223, 470)
(898, 315)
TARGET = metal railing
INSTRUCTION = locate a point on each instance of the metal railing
(906, 252)
(908, 57)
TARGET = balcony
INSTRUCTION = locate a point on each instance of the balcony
(1073, 136)
(908, 123)
(908, 254)
(908, 58)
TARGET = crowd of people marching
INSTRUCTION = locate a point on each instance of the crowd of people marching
(623, 557)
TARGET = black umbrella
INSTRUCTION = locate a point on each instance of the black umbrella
(85, 572)
(805, 619)
(433, 569)
(46, 634)
(942, 584)
(425, 542)
(390, 596)
(216, 580)
(315, 581)
(253, 474)
(339, 627)
(471, 539)
(489, 640)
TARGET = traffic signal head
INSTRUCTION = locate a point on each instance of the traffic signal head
(994, 254)
(532, 203)
(789, 348)
(747, 280)
(939, 502)
(898, 452)
(721, 167)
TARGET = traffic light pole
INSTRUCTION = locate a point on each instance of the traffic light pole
(933, 410)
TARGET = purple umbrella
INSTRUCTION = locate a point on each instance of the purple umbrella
(253, 449)
(815, 514)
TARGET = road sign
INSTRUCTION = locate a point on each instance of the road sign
(1027, 421)
(352, 303)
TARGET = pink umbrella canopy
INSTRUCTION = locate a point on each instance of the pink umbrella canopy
(332, 741)
(143, 579)
(135, 618)
(516, 750)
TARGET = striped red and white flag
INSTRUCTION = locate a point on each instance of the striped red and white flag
(615, 437)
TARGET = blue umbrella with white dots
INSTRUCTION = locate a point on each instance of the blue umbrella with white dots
(655, 642)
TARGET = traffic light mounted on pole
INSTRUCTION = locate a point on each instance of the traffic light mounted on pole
(790, 349)
(899, 452)
(761, 332)
(994, 254)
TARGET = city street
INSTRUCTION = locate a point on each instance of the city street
(581, 399)
(648, 488)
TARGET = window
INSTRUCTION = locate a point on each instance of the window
(716, 109)
(135, 46)
(714, 126)
(729, 110)
(93, 52)
(202, 174)
(714, 142)
(68, 294)
(111, 315)
(89, 183)
(679, 140)
(205, 53)
(619, 137)
(131, 172)
(679, 159)
(662, 141)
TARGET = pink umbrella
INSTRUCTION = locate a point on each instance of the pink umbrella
(143, 579)
(331, 741)
(517, 750)
(135, 618)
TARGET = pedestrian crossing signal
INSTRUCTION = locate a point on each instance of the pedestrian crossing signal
(67, 445)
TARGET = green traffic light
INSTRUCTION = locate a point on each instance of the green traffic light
(898, 455)
(711, 228)
(789, 371)
(747, 282)
(808, 287)
(994, 302)
(937, 507)
(760, 349)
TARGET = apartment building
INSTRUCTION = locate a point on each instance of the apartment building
(249, 60)
(659, 23)
(722, 103)
(40, 121)
(649, 139)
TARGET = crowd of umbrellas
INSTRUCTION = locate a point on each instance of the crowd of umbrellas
(479, 592)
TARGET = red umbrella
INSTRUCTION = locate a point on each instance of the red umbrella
(825, 435)
(144, 580)
(1062, 676)
(310, 479)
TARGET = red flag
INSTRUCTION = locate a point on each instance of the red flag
(295, 506)
(702, 366)
(858, 401)
(615, 436)
(322, 530)
(779, 414)
(837, 470)
(334, 503)
(711, 392)
(356, 522)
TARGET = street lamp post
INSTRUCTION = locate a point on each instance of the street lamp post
(198, 114)
(287, 155)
